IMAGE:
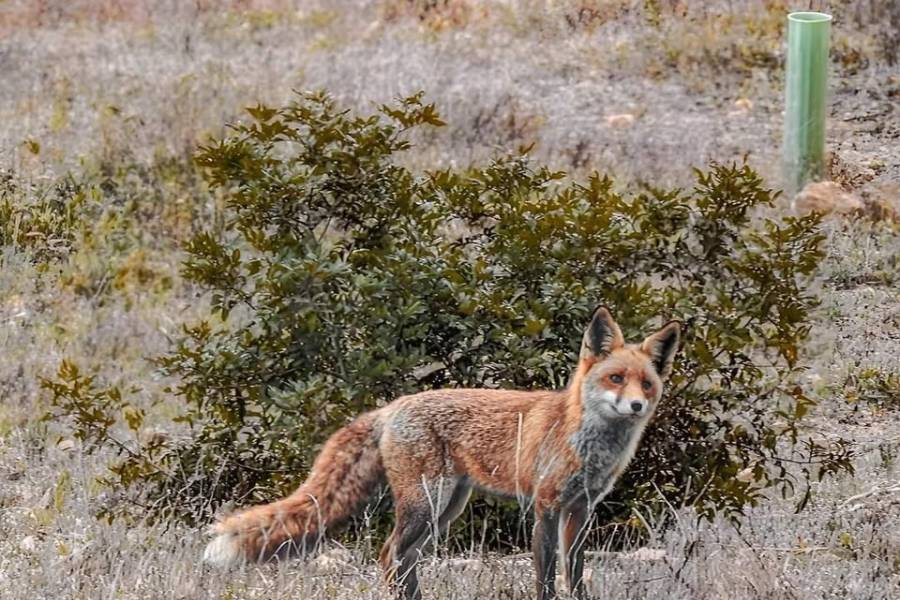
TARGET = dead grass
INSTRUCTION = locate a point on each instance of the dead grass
(115, 81)
(840, 547)
(699, 80)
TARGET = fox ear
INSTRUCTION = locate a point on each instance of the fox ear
(661, 347)
(602, 336)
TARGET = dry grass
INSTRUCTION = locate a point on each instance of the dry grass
(92, 83)
(837, 548)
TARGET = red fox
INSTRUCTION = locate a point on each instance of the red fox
(562, 450)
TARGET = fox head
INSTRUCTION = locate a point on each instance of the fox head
(624, 380)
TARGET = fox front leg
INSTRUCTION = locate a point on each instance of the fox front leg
(573, 527)
(543, 545)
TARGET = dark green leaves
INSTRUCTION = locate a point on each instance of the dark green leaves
(412, 112)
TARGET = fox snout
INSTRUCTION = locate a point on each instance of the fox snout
(637, 407)
(622, 405)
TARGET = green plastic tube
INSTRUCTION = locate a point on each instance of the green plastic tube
(805, 98)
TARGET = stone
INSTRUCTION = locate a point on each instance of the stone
(826, 197)
(621, 120)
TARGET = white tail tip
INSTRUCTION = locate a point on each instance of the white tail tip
(223, 551)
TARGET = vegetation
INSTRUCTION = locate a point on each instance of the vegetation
(874, 386)
(341, 280)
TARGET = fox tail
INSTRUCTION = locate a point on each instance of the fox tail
(344, 475)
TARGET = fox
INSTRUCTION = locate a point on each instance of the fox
(561, 450)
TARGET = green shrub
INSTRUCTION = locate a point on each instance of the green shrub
(342, 280)
(43, 220)
(99, 228)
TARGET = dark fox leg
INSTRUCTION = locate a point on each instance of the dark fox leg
(402, 551)
(393, 549)
(543, 544)
(423, 511)
(573, 525)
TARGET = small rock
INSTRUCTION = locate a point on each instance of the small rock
(154, 436)
(745, 475)
(66, 445)
(826, 197)
(743, 104)
(29, 544)
(620, 120)
(372, 29)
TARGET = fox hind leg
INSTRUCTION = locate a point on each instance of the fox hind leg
(393, 549)
(401, 552)
(423, 512)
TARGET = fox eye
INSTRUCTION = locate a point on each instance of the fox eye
(616, 378)
(646, 384)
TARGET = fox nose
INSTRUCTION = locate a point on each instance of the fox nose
(637, 406)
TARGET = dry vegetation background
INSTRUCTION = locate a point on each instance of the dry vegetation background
(124, 90)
